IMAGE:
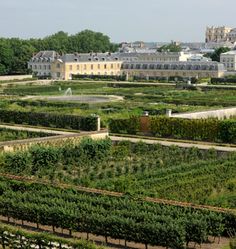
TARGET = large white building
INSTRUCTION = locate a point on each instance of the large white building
(229, 60)
(132, 65)
(40, 63)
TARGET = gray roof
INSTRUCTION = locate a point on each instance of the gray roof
(45, 56)
(77, 57)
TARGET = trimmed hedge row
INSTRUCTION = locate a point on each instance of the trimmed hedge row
(130, 125)
(88, 123)
(212, 130)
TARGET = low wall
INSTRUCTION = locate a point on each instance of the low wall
(55, 140)
(219, 114)
(15, 77)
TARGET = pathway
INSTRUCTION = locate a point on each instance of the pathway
(175, 143)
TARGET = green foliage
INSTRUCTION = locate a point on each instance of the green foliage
(212, 130)
(233, 243)
(170, 48)
(192, 129)
(130, 126)
(216, 55)
(17, 162)
(11, 236)
(49, 120)
(10, 134)
(15, 53)
(227, 131)
(96, 149)
(116, 217)
(192, 175)
(43, 158)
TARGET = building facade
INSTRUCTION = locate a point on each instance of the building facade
(229, 60)
(232, 36)
(186, 70)
(40, 64)
(217, 34)
(86, 64)
(157, 65)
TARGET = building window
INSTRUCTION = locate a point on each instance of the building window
(105, 66)
(92, 67)
(85, 67)
(49, 67)
(98, 66)
(71, 67)
(77, 67)
(111, 66)
(58, 65)
(58, 75)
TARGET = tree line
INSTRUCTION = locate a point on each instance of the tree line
(15, 52)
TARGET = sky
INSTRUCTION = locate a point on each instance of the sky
(122, 21)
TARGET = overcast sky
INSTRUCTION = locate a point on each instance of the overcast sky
(122, 20)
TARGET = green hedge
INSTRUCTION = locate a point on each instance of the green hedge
(130, 126)
(233, 243)
(211, 130)
(88, 123)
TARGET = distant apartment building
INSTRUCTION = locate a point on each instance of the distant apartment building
(229, 60)
(40, 64)
(143, 65)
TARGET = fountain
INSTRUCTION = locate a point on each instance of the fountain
(68, 92)
(67, 95)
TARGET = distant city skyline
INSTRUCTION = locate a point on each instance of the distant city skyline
(126, 20)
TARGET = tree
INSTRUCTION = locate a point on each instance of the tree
(172, 47)
(216, 55)
(15, 53)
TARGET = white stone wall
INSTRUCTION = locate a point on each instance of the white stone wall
(15, 77)
(219, 114)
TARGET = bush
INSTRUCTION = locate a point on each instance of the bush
(130, 126)
(18, 162)
(88, 123)
(233, 243)
(212, 130)
(44, 158)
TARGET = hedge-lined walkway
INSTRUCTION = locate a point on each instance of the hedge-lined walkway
(198, 145)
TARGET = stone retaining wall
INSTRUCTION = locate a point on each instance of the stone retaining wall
(11, 146)
(219, 114)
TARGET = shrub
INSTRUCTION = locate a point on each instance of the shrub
(86, 123)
